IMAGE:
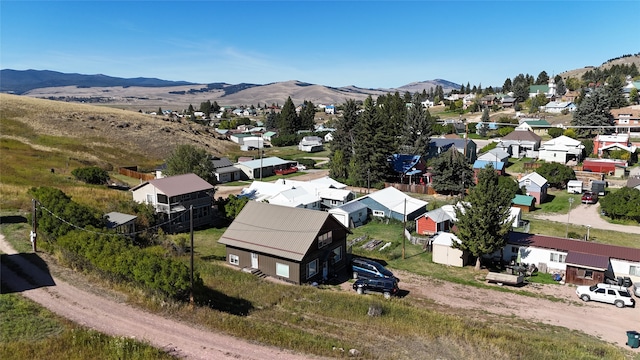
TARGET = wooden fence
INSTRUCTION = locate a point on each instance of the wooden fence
(412, 188)
(135, 174)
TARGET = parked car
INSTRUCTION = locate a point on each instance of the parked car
(364, 268)
(589, 198)
(610, 294)
(636, 290)
(386, 286)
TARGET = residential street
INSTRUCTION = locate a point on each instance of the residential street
(585, 214)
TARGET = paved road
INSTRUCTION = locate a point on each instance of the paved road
(584, 214)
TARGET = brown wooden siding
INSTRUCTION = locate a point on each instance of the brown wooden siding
(135, 174)
(571, 276)
(266, 264)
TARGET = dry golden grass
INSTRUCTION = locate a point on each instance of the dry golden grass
(118, 136)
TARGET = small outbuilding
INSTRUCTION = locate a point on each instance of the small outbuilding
(574, 187)
(444, 252)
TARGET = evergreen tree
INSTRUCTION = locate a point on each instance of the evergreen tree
(373, 147)
(521, 91)
(633, 96)
(215, 108)
(467, 90)
(307, 116)
(485, 115)
(483, 218)
(506, 87)
(417, 129)
(159, 111)
(461, 89)
(205, 107)
(560, 87)
(439, 92)
(594, 110)
(613, 91)
(271, 120)
(543, 78)
(343, 144)
(451, 172)
(288, 118)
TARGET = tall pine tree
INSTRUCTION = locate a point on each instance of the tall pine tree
(483, 217)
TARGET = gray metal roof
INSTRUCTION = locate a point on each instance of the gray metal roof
(270, 161)
(178, 185)
(221, 162)
(228, 169)
(115, 219)
(352, 206)
(276, 230)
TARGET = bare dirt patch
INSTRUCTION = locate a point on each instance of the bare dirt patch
(604, 321)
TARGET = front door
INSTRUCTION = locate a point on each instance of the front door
(325, 270)
(254, 260)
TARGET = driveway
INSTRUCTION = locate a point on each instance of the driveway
(585, 214)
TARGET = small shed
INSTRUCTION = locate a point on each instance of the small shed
(586, 269)
(524, 202)
(351, 214)
(574, 187)
(444, 252)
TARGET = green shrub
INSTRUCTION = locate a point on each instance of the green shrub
(91, 175)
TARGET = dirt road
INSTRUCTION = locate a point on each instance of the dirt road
(117, 318)
(604, 321)
(585, 214)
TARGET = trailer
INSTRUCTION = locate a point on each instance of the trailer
(504, 278)
(574, 187)
(598, 187)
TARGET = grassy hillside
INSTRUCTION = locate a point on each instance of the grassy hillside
(42, 141)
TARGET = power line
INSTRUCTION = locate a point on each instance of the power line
(131, 234)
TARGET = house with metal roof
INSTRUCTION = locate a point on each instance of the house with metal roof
(520, 143)
(176, 199)
(465, 146)
(408, 168)
(478, 165)
(394, 204)
(537, 126)
(536, 185)
(434, 221)
(224, 170)
(291, 244)
(259, 168)
(557, 107)
(561, 150)
(583, 262)
(352, 214)
(495, 154)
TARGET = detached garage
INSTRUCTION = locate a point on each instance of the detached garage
(444, 252)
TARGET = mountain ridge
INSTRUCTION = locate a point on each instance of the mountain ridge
(151, 92)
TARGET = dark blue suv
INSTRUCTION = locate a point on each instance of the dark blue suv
(369, 269)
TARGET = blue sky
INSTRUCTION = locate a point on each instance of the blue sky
(370, 44)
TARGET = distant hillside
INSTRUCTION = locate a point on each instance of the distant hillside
(21, 81)
(627, 60)
(147, 94)
(115, 136)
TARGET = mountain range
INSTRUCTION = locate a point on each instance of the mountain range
(153, 92)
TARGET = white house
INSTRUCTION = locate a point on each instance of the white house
(583, 262)
(556, 107)
(311, 144)
(561, 150)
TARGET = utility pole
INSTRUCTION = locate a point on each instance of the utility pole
(191, 251)
(404, 226)
(568, 215)
(34, 234)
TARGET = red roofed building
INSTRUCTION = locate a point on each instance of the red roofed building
(582, 262)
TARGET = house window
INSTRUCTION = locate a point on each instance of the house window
(584, 274)
(378, 213)
(234, 259)
(162, 199)
(337, 254)
(527, 182)
(324, 240)
(515, 249)
(557, 257)
(282, 270)
(312, 268)
(335, 202)
(150, 199)
(634, 270)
